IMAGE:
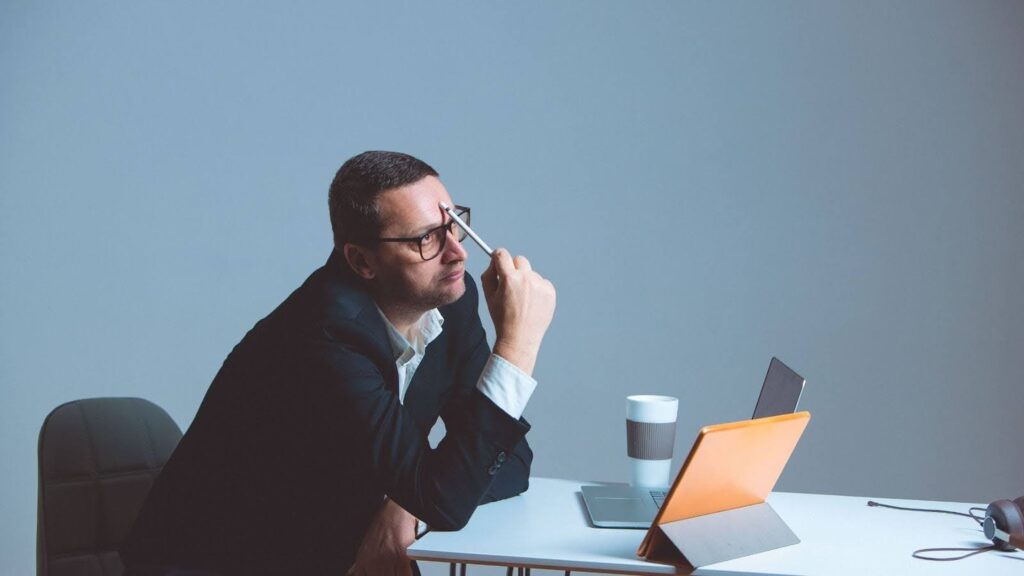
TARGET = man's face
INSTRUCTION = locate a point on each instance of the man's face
(402, 276)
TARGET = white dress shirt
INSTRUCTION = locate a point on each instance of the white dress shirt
(501, 381)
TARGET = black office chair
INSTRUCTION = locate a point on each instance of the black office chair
(97, 460)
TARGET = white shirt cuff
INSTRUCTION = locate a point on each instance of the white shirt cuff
(506, 385)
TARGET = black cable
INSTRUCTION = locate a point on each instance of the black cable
(976, 519)
(918, 553)
(971, 516)
(973, 551)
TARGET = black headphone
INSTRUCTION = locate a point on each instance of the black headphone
(1004, 523)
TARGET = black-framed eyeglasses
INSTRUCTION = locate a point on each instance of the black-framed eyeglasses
(432, 242)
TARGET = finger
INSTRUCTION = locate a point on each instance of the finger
(522, 264)
(502, 260)
(489, 279)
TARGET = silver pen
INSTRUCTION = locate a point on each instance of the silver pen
(466, 227)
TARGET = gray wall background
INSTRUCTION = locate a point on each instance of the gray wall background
(707, 184)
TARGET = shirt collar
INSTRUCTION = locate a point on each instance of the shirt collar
(424, 331)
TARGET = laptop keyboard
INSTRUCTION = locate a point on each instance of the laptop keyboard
(659, 497)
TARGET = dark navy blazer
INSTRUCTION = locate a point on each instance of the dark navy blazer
(301, 435)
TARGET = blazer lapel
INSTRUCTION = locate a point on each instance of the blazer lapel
(357, 304)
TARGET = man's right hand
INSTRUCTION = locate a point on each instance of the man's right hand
(521, 303)
(383, 549)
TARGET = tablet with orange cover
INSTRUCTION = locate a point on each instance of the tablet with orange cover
(731, 466)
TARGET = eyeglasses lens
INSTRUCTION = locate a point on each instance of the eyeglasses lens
(431, 245)
(460, 234)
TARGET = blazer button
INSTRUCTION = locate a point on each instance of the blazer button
(493, 469)
(501, 457)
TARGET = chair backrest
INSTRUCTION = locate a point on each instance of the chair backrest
(97, 460)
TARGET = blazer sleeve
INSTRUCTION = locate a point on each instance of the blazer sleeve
(513, 466)
(441, 486)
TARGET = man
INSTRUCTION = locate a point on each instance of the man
(309, 453)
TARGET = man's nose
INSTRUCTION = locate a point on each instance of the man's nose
(454, 250)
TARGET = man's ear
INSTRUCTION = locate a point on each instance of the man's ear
(360, 260)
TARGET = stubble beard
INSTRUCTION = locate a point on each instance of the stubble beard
(415, 300)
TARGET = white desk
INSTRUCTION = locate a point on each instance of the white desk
(548, 527)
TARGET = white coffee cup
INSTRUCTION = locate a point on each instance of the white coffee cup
(650, 438)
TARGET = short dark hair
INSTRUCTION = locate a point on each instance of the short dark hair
(352, 199)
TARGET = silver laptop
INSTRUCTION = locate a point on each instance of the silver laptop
(780, 393)
(628, 507)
